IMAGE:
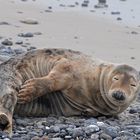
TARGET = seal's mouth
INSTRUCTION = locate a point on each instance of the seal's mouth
(4, 122)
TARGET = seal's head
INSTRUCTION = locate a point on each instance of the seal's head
(120, 85)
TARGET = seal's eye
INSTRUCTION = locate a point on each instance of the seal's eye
(115, 78)
(133, 85)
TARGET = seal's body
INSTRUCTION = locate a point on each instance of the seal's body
(65, 82)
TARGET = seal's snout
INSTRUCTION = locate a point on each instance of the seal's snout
(118, 95)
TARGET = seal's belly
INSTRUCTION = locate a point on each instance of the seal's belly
(52, 103)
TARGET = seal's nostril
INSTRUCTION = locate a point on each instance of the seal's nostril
(118, 95)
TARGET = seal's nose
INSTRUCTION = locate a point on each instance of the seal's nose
(118, 95)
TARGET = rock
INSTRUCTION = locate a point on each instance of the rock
(94, 137)
(54, 129)
(132, 111)
(105, 136)
(84, 5)
(115, 13)
(26, 34)
(7, 42)
(91, 129)
(19, 42)
(68, 137)
(118, 18)
(4, 23)
(111, 131)
(134, 32)
(29, 21)
(37, 33)
(135, 128)
(21, 122)
(32, 134)
(19, 51)
(77, 132)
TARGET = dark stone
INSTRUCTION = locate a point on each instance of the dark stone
(77, 132)
(4, 23)
(132, 110)
(105, 136)
(115, 13)
(26, 34)
(134, 32)
(118, 18)
(19, 42)
(84, 5)
(7, 42)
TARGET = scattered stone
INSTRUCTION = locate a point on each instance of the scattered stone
(132, 59)
(91, 129)
(62, 5)
(84, 5)
(37, 33)
(29, 21)
(119, 18)
(76, 3)
(68, 137)
(94, 137)
(19, 42)
(111, 131)
(7, 42)
(115, 13)
(4, 23)
(48, 11)
(71, 5)
(77, 132)
(105, 136)
(29, 34)
(134, 32)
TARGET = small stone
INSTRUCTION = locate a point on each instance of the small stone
(91, 129)
(29, 21)
(68, 137)
(21, 122)
(132, 109)
(105, 136)
(77, 132)
(32, 133)
(26, 34)
(4, 23)
(94, 137)
(84, 5)
(19, 42)
(7, 42)
(48, 11)
(112, 131)
(115, 13)
(37, 33)
(134, 32)
(54, 129)
(118, 18)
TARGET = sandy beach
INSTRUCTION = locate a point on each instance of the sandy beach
(83, 31)
(30, 24)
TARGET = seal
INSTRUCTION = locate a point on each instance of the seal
(64, 82)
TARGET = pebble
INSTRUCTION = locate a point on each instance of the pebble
(112, 131)
(115, 13)
(119, 18)
(134, 32)
(105, 136)
(21, 122)
(77, 132)
(91, 129)
(132, 110)
(29, 34)
(4, 23)
(7, 42)
(29, 21)
(94, 137)
(54, 129)
(19, 42)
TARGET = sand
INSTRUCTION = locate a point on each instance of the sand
(78, 30)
